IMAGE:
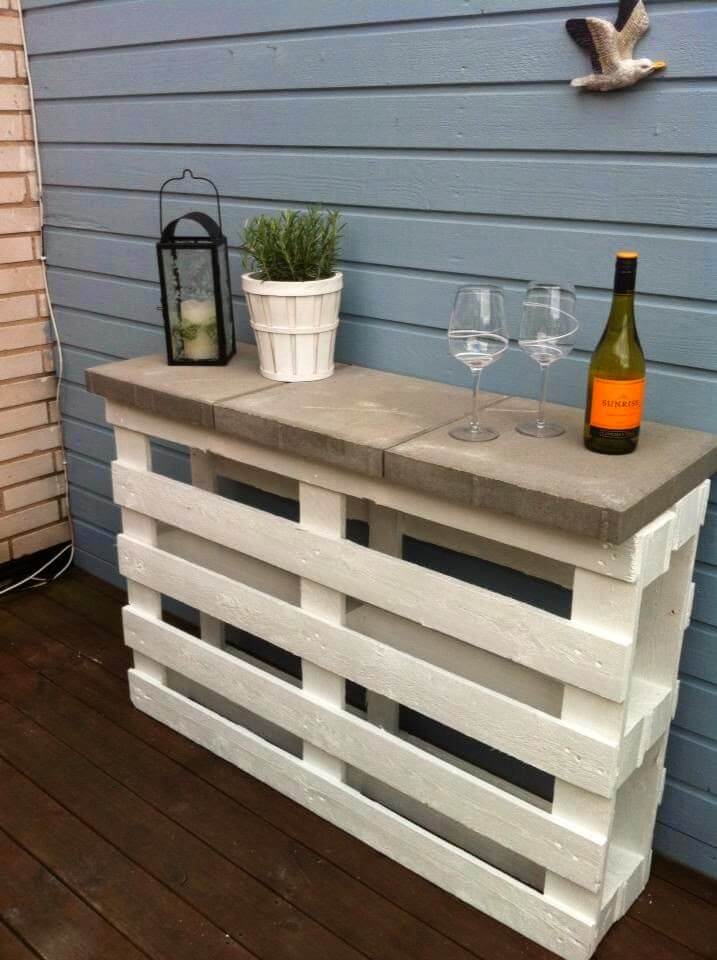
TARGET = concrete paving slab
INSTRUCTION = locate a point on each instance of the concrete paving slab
(385, 425)
(181, 393)
(347, 420)
(557, 481)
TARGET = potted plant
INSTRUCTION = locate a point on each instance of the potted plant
(293, 291)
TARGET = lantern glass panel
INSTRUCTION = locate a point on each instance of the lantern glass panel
(226, 297)
(191, 302)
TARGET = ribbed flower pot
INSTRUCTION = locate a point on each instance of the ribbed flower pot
(294, 325)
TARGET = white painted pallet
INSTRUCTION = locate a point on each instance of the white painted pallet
(588, 700)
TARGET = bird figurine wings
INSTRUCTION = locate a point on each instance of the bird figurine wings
(611, 48)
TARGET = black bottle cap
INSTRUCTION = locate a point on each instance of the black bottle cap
(625, 271)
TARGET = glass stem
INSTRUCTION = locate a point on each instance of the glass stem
(475, 422)
(544, 367)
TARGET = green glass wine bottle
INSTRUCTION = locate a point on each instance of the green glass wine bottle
(616, 381)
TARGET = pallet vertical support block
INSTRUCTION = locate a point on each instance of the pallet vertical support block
(585, 699)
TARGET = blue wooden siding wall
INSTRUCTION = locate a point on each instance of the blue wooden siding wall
(447, 133)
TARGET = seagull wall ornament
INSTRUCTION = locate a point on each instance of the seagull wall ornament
(611, 48)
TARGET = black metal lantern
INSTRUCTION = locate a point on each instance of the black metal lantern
(196, 293)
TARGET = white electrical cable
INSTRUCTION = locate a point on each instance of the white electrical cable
(69, 547)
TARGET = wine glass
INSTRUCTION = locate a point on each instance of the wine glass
(547, 332)
(477, 336)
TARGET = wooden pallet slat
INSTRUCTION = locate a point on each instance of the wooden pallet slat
(522, 731)
(478, 883)
(474, 615)
(467, 799)
(504, 676)
(622, 561)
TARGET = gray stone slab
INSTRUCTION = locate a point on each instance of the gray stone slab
(557, 482)
(384, 425)
(181, 393)
(348, 420)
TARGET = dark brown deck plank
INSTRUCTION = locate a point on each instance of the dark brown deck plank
(42, 613)
(631, 940)
(482, 935)
(90, 683)
(474, 931)
(146, 912)
(49, 917)
(318, 888)
(78, 575)
(263, 923)
(106, 694)
(12, 948)
(101, 609)
(678, 914)
(36, 648)
(680, 876)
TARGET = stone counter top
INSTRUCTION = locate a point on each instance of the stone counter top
(384, 425)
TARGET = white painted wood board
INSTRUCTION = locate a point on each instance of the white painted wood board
(478, 805)
(472, 614)
(484, 887)
(515, 728)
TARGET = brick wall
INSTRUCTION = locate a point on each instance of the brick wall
(32, 488)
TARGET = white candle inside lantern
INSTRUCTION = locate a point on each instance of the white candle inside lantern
(199, 329)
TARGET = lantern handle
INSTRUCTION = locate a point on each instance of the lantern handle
(187, 172)
(212, 228)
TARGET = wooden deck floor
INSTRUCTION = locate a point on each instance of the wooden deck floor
(119, 839)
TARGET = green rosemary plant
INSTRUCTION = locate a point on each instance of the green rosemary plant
(294, 246)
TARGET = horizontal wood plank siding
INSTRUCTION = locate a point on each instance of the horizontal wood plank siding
(364, 57)
(162, 21)
(447, 134)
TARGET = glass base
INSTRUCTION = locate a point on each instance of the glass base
(533, 429)
(481, 435)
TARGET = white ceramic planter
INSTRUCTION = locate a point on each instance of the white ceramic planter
(294, 325)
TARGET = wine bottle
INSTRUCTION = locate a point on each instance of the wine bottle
(616, 381)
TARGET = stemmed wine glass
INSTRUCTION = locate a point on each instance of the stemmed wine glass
(477, 336)
(547, 332)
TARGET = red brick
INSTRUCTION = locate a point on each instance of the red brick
(28, 468)
(10, 31)
(34, 492)
(40, 539)
(13, 96)
(25, 307)
(29, 442)
(30, 519)
(20, 158)
(20, 279)
(15, 249)
(23, 418)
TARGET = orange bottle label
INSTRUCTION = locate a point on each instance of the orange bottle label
(617, 404)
